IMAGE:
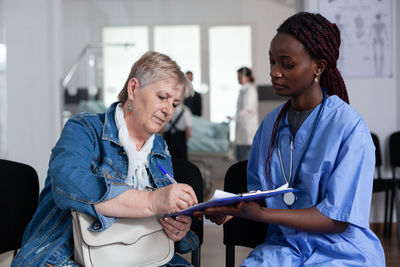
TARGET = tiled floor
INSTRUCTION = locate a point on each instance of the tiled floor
(213, 250)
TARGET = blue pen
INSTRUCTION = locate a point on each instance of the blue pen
(169, 176)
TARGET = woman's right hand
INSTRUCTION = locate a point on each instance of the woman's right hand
(172, 198)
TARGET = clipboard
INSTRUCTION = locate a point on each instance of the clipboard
(222, 198)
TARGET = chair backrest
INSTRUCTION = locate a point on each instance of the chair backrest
(394, 148)
(188, 173)
(378, 157)
(239, 231)
(19, 193)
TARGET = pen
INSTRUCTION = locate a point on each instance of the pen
(169, 176)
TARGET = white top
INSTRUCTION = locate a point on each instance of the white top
(246, 114)
(184, 122)
(137, 174)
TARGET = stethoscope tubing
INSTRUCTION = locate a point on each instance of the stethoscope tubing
(292, 179)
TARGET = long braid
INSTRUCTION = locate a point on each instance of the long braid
(273, 138)
(321, 39)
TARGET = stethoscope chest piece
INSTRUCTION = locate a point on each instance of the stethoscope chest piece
(289, 198)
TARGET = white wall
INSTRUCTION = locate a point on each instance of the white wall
(33, 111)
(396, 11)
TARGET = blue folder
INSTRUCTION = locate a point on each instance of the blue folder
(230, 200)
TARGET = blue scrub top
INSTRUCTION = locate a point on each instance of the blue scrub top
(336, 176)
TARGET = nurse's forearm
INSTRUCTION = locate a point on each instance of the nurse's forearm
(307, 220)
(132, 203)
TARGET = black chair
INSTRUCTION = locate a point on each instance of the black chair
(19, 194)
(383, 185)
(394, 150)
(188, 173)
(239, 231)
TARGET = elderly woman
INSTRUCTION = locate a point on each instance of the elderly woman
(105, 165)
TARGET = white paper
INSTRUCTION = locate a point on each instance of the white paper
(221, 194)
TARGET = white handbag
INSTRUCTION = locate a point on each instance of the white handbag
(128, 242)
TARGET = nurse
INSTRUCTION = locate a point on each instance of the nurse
(317, 143)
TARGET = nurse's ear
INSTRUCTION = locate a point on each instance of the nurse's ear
(319, 67)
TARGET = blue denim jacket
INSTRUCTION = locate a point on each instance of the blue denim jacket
(87, 166)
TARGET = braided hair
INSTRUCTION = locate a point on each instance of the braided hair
(321, 40)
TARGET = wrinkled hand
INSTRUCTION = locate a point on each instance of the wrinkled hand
(176, 228)
(172, 198)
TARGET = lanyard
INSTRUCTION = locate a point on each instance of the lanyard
(289, 179)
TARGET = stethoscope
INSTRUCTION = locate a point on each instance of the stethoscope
(289, 198)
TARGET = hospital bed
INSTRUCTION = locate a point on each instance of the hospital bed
(210, 148)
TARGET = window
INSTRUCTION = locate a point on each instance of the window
(230, 49)
(182, 44)
(118, 60)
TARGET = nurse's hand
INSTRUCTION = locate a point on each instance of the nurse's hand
(248, 210)
(172, 198)
(219, 219)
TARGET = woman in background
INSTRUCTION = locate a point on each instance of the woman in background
(246, 114)
(105, 165)
(318, 144)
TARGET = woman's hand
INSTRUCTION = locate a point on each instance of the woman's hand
(176, 228)
(172, 198)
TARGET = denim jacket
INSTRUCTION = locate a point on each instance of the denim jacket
(88, 165)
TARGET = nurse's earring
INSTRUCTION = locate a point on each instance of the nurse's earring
(130, 109)
(316, 77)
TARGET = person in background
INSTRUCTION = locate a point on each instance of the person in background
(318, 144)
(105, 165)
(246, 114)
(177, 132)
(194, 103)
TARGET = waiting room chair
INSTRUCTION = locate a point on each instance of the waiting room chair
(383, 185)
(394, 151)
(239, 231)
(188, 173)
(19, 194)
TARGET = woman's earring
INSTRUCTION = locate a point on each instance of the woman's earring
(130, 108)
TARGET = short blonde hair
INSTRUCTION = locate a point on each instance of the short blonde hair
(153, 67)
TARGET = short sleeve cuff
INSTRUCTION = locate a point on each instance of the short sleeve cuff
(340, 215)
